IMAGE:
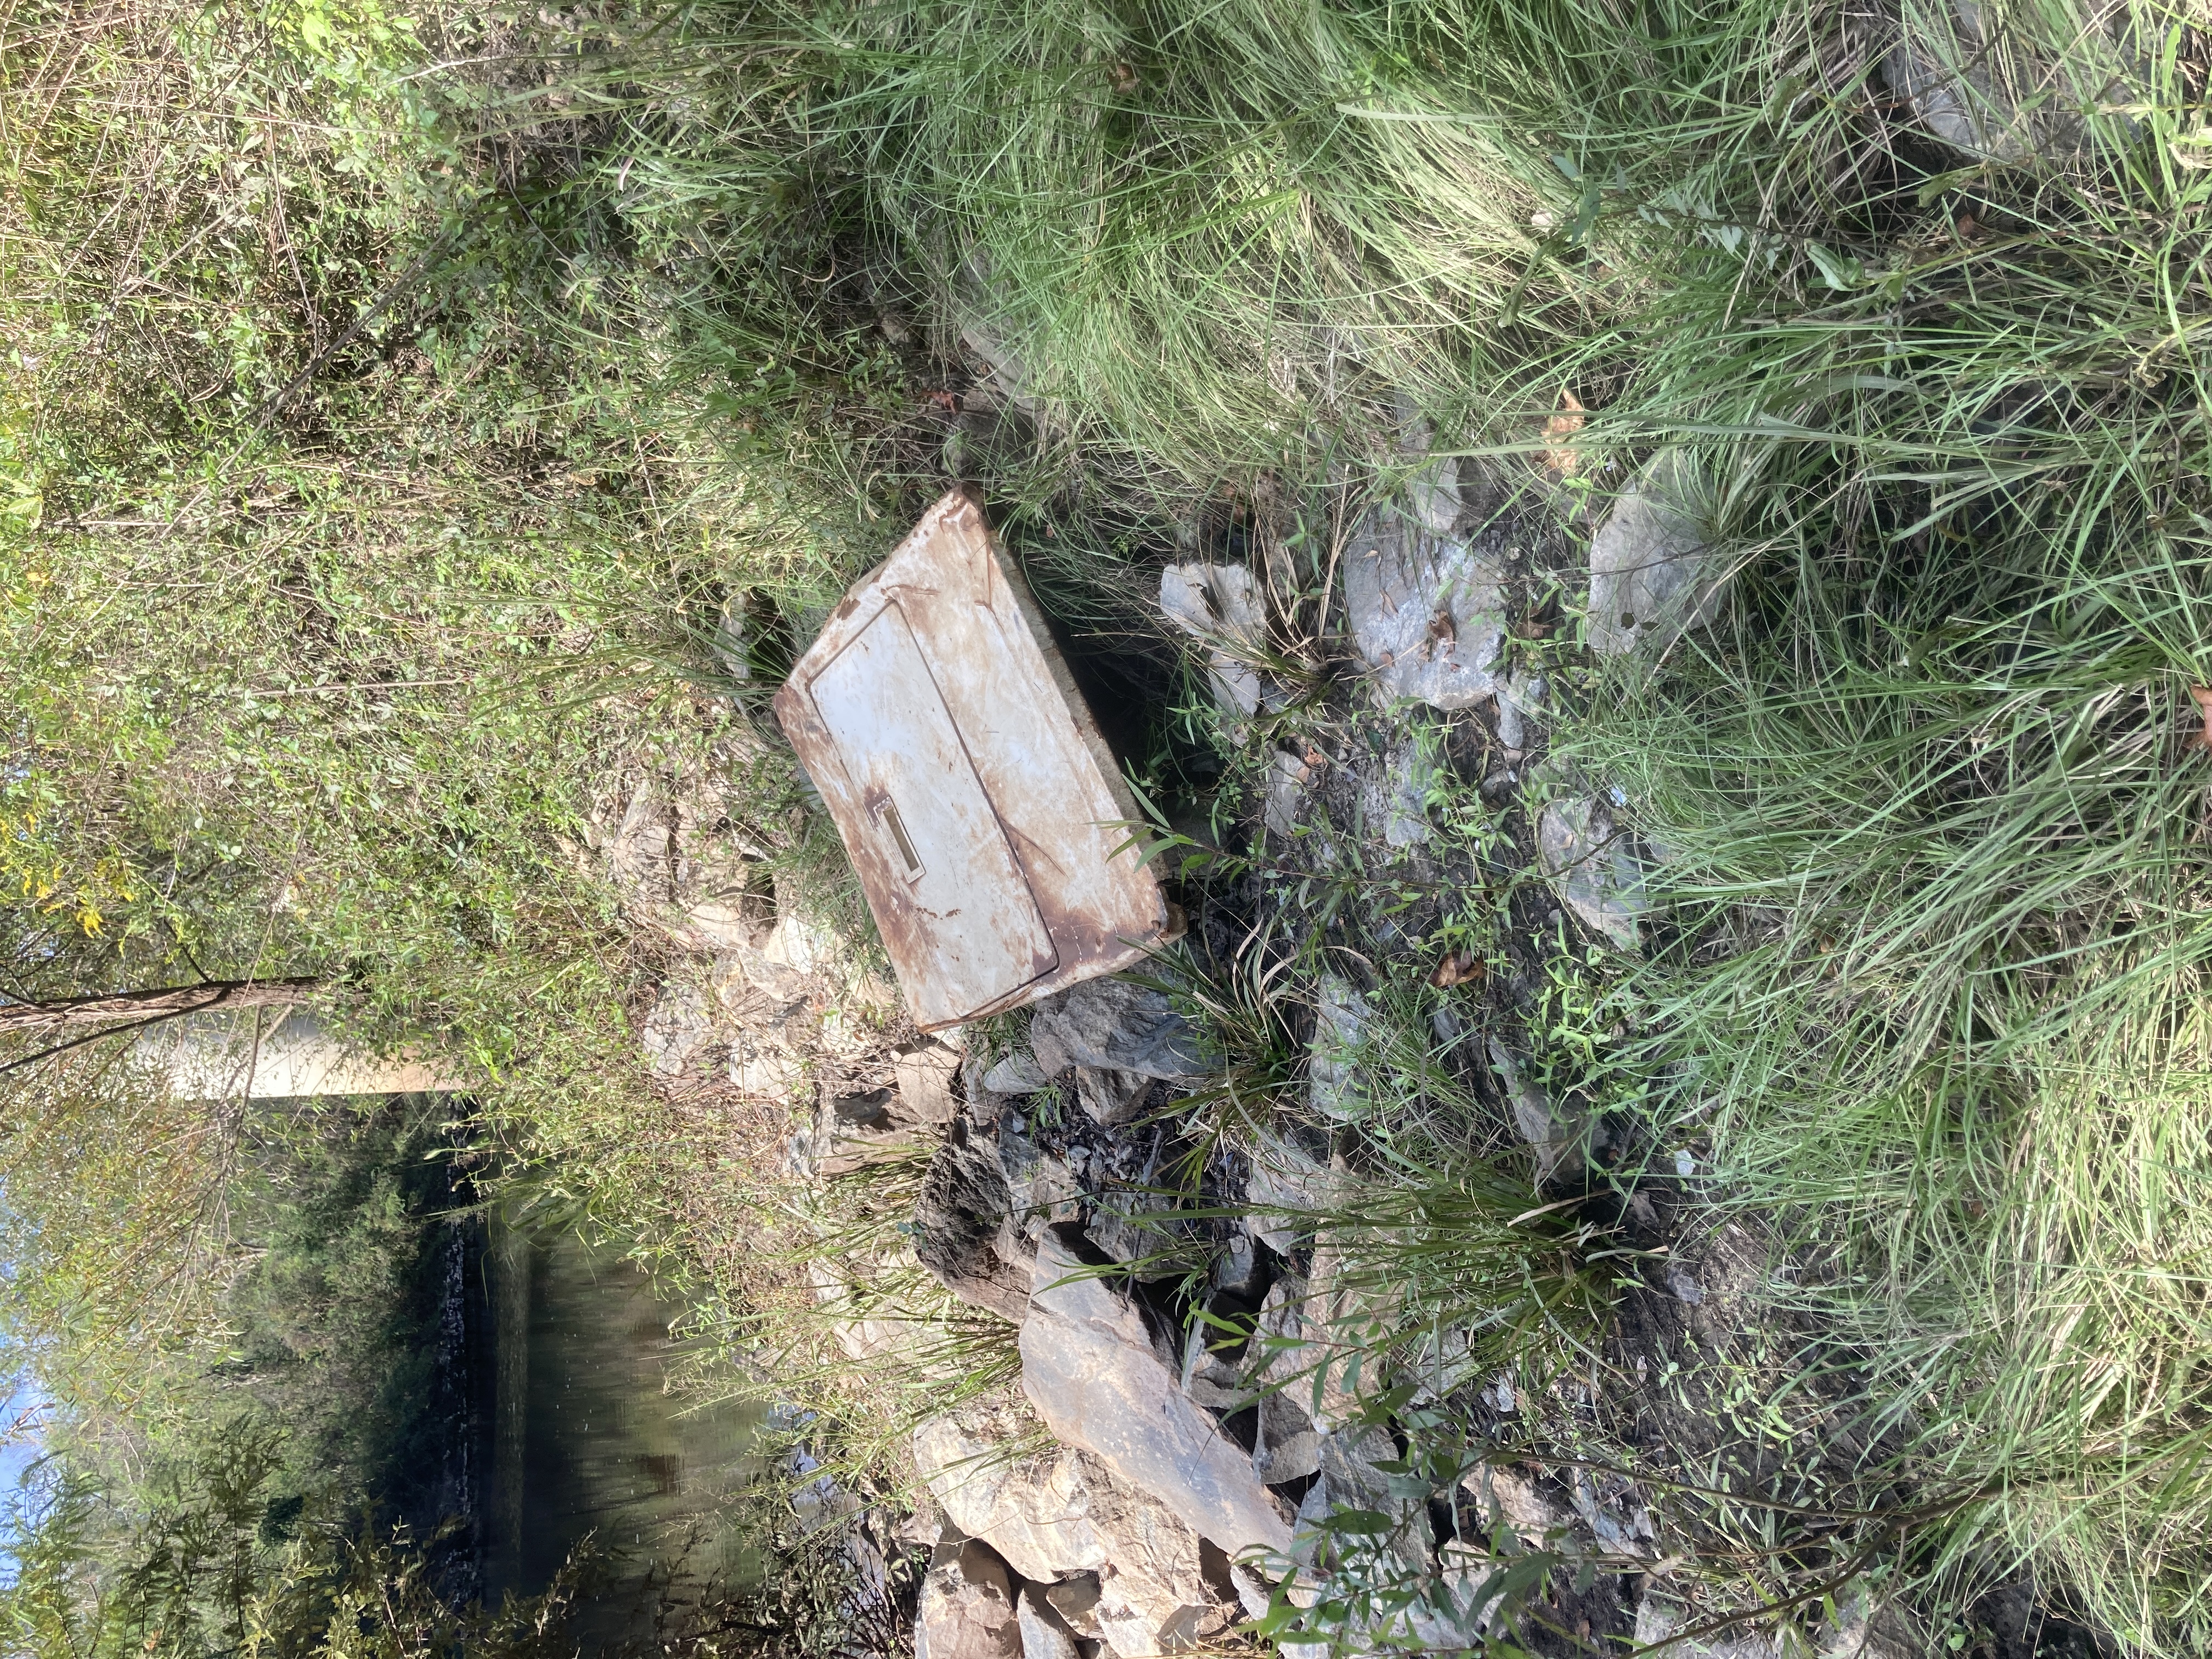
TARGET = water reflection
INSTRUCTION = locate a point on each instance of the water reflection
(588, 1436)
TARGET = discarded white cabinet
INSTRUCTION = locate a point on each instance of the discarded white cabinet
(982, 810)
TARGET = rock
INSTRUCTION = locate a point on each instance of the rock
(1117, 1026)
(1132, 1564)
(1125, 1228)
(1220, 604)
(967, 1607)
(1518, 700)
(681, 871)
(1076, 1600)
(1241, 1269)
(1045, 1635)
(1653, 573)
(1592, 869)
(1995, 94)
(1333, 1074)
(924, 1079)
(1658, 1618)
(1110, 1097)
(1089, 1366)
(1397, 797)
(1287, 1446)
(680, 1025)
(1284, 1187)
(966, 1234)
(1427, 616)
(1042, 1188)
(1539, 1125)
(1017, 1073)
(1516, 1501)
(1284, 807)
(1862, 1630)
(1684, 1284)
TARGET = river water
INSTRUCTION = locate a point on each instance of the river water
(584, 1434)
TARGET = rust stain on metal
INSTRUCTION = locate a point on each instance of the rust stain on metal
(980, 806)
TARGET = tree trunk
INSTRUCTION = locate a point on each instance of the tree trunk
(149, 1005)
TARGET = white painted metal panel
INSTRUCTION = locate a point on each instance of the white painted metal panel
(1033, 753)
(926, 822)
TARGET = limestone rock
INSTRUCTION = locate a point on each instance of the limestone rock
(1220, 604)
(1110, 1097)
(1658, 1618)
(680, 1026)
(1988, 90)
(924, 1079)
(1075, 1599)
(1653, 573)
(1518, 1501)
(1130, 1564)
(1089, 1368)
(1117, 1026)
(1541, 1125)
(1427, 615)
(1284, 1187)
(1017, 1073)
(1395, 799)
(1285, 807)
(1333, 1074)
(1044, 1635)
(1588, 859)
(967, 1607)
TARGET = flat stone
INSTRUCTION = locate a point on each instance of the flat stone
(1427, 614)
(1333, 1073)
(1658, 1618)
(1653, 573)
(1017, 1073)
(1285, 1187)
(1117, 1026)
(924, 1079)
(1396, 797)
(1516, 1501)
(1089, 1368)
(967, 1606)
(1044, 1635)
(1220, 604)
(1997, 97)
(1110, 1097)
(1590, 865)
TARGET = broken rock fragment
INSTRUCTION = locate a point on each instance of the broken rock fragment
(1333, 1074)
(1109, 1557)
(1220, 604)
(1587, 857)
(1653, 574)
(1427, 614)
(1114, 1025)
(966, 1232)
(967, 1607)
(1089, 1368)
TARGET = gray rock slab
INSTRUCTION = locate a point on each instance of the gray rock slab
(1654, 572)
(1089, 1368)
(1220, 604)
(1427, 614)
(1333, 1073)
(1044, 1634)
(1588, 861)
(1118, 1026)
(1017, 1073)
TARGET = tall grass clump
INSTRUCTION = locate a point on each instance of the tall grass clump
(1932, 797)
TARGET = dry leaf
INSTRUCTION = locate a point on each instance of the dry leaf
(2202, 740)
(1559, 455)
(1461, 968)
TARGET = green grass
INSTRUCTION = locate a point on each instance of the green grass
(645, 312)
